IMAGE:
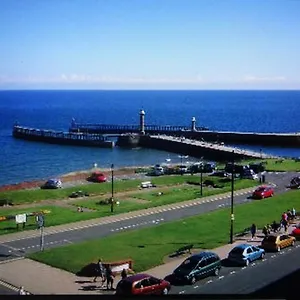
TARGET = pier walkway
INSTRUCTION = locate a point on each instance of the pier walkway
(242, 153)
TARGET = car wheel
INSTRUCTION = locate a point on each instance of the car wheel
(217, 271)
(293, 243)
(165, 291)
(193, 280)
(247, 262)
(278, 249)
(262, 255)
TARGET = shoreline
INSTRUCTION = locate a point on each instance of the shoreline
(71, 176)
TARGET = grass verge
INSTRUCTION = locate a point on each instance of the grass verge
(147, 247)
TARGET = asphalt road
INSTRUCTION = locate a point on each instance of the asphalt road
(262, 277)
(17, 248)
(7, 291)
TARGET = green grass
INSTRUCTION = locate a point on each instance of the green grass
(204, 231)
(57, 216)
(169, 196)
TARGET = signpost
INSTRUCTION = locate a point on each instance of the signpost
(41, 223)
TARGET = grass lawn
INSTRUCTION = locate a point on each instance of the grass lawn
(204, 231)
(57, 216)
(62, 215)
(169, 196)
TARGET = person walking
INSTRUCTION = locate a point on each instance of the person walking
(109, 277)
(123, 274)
(99, 272)
(253, 231)
(294, 213)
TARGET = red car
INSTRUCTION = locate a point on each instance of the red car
(142, 284)
(97, 177)
(263, 192)
(296, 232)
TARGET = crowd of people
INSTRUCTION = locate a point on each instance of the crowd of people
(286, 217)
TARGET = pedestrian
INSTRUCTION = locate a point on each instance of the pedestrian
(22, 291)
(99, 271)
(109, 277)
(253, 231)
(265, 231)
(294, 213)
(123, 274)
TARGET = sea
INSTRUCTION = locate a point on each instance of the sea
(248, 111)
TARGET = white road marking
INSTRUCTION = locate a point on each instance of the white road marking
(221, 277)
(264, 259)
(253, 264)
(196, 286)
(209, 281)
(243, 268)
(232, 272)
(182, 292)
(273, 256)
(290, 250)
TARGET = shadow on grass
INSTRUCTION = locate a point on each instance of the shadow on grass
(89, 270)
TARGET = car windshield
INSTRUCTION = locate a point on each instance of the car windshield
(237, 251)
(261, 189)
(270, 238)
(189, 264)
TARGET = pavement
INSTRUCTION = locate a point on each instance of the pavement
(38, 278)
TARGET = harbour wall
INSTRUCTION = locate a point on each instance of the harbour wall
(250, 138)
(197, 149)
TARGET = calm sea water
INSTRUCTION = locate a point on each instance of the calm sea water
(256, 111)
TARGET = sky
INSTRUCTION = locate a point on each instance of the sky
(149, 44)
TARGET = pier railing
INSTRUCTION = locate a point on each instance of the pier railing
(19, 130)
(109, 128)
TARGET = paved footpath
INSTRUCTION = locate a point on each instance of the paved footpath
(38, 278)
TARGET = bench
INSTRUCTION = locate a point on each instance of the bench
(146, 184)
(184, 249)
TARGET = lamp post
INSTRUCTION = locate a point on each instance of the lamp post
(231, 204)
(201, 179)
(112, 189)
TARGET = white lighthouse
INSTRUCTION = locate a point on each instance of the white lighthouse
(142, 121)
(193, 124)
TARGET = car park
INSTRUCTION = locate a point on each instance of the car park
(198, 266)
(220, 173)
(142, 284)
(276, 242)
(97, 177)
(263, 192)
(244, 254)
(52, 184)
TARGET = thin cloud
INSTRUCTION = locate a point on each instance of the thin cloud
(250, 78)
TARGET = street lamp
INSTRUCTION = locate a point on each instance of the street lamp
(112, 189)
(231, 204)
(201, 179)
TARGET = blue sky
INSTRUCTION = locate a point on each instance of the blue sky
(149, 44)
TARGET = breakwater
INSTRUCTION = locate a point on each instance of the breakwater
(62, 138)
(199, 148)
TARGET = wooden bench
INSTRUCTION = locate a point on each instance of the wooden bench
(184, 249)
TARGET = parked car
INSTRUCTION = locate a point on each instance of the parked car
(97, 177)
(220, 173)
(52, 184)
(249, 174)
(296, 232)
(183, 169)
(257, 167)
(158, 170)
(142, 284)
(238, 169)
(209, 167)
(263, 192)
(275, 242)
(197, 266)
(244, 254)
(295, 183)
